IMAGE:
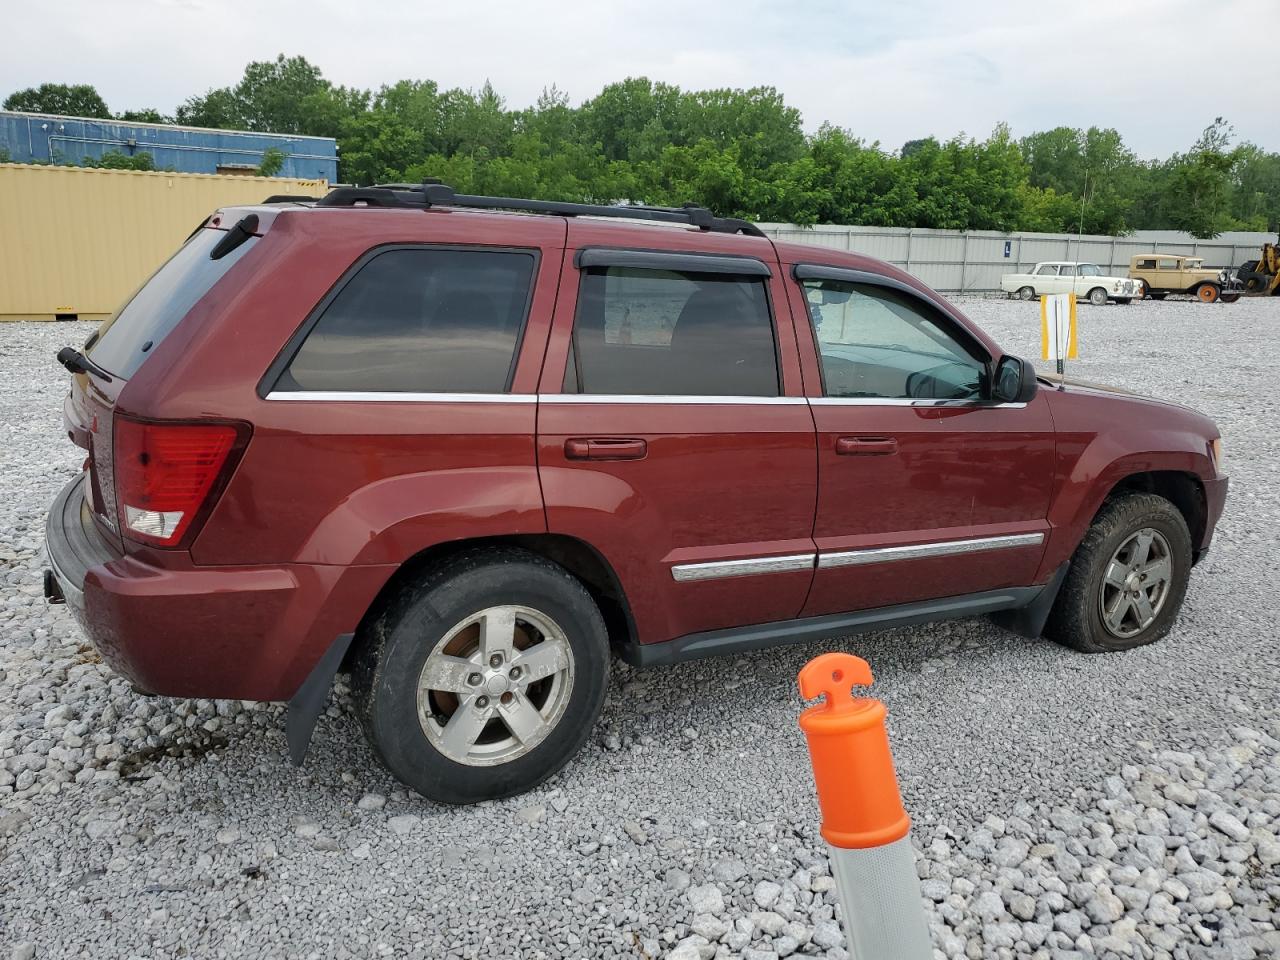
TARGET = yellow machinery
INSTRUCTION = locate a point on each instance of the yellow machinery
(1262, 276)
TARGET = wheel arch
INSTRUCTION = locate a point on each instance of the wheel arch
(1183, 489)
(577, 556)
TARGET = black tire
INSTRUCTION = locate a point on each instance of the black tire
(393, 650)
(1076, 619)
(1144, 289)
(1094, 298)
(1026, 293)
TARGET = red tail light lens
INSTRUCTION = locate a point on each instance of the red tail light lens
(165, 473)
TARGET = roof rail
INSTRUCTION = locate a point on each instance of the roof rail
(434, 194)
(290, 198)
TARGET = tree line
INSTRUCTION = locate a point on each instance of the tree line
(740, 152)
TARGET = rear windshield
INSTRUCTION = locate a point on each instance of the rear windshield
(126, 339)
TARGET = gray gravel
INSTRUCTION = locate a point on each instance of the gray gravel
(1064, 806)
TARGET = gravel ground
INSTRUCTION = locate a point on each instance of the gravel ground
(1064, 806)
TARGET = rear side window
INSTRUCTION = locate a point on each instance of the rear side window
(125, 340)
(662, 332)
(419, 321)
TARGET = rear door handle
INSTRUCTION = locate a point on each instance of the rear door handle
(605, 448)
(866, 446)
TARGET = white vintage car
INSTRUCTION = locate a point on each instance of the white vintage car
(1085, 280)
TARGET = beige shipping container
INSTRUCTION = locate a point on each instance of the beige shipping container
(76, 241)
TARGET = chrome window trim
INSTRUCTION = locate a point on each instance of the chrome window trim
(916, 551)
(719, 569)
(375, 396)
(665, 398)
(389, 396)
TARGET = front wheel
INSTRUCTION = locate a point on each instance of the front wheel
(484, 678)
(1127, 579)
(1097, 296)
(1207, 293)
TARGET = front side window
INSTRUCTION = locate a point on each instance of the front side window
(419, 321)
(1090, 270)
(875, 342)
(1047, 270)
(665, 332)
(1168, 264)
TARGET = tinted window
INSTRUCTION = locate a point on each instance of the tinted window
(668, 333)
(126, 339)
(419, 321)
(876, 342)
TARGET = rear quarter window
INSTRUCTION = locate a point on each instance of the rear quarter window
(125, 340)
(419, 321)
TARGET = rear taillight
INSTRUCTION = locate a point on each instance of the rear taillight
(167, 473)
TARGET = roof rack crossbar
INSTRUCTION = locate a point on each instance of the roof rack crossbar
(435, 194)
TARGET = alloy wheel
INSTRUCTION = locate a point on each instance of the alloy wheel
(495, 686)
(1136, 583)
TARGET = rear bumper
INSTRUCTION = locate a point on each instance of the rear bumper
(247, 633)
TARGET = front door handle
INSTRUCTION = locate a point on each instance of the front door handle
(605, 448)
(866, 446)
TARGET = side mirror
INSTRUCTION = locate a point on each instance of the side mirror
(1014, 382)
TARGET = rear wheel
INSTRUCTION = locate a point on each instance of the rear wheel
(1026, 293)
(1127, 579)
(1124, 300)
(1097, 296)
(484, 678)
(1144, 289)
(1207, 293)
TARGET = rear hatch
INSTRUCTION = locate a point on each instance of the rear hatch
(124, 343)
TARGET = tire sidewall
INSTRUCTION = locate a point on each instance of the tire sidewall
(1174, 530)
(421, 625)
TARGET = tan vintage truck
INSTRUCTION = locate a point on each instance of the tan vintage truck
(1162, 274)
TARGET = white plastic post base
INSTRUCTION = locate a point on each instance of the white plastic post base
(880, 897)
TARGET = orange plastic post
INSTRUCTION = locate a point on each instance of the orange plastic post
(849, 747)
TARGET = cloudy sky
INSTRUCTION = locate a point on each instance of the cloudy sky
(890, 70)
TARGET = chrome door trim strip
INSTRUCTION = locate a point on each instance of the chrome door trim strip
(908, 402)
(916, 551)
(669, 398)
(719, 569)
(376, 396)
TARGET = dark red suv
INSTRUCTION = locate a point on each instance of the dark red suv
(471, 446)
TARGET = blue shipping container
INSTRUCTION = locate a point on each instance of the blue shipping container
(32, 136)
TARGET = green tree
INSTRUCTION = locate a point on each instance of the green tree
(1255, 194)
(272, 161)
(118, 160)
(1198, 192)
(145, 115)
(75, 100)
(1092, 165)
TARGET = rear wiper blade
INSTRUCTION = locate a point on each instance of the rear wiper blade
(77, 362)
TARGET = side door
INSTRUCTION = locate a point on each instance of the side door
(925, 488)
(1069, 280)
(673, 433)
(1170, 274)
(1047, 279)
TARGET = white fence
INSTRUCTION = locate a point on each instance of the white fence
(973, 261)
